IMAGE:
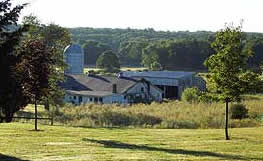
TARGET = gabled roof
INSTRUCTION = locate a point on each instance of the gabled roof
(97, 83)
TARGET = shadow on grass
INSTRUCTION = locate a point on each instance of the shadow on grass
(120, 145)
(9, 158)
(38, 130)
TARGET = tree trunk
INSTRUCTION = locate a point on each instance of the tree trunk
(35, 114)
(9, 117)
(226, 121)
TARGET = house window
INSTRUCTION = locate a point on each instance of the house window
(96, 99)
(74, 97)
(90, 99)
(142, 89)
(80, 99)
(101, 99)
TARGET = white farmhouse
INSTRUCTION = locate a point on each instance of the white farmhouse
(83, 89)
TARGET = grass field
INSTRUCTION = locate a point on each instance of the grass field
(19, 142)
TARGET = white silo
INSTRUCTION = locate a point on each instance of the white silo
(74, 57)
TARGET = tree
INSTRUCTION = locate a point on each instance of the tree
(57, 38)
(54, 35)
(11, 91)
(227, 68)
(159, 55)
(130, 52)
(108, 61)
(93, 50)
(38, 62)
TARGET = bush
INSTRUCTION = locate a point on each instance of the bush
(206, 97)
(239, 111)
(191, 95)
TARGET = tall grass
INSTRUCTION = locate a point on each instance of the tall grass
(173, 114)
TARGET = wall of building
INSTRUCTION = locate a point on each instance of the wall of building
(115, 98)
(181, 84)
(141, 90)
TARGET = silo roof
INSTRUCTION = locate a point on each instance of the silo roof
(73, 48)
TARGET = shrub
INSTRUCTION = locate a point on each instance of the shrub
(239, 111)
(244, 123)
(206, 97)
(191, 95)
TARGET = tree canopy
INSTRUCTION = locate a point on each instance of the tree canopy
(108, 61)
(192, 48)
(227, 68)
(11, 91)
(92, 50)
(38, 62)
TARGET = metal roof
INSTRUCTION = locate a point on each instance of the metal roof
(158, 74)
(73, 48)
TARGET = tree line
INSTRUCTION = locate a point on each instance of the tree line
(168, 50)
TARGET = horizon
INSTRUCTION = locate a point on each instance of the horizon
(161, 15)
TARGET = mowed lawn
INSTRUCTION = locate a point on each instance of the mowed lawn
(19, 142)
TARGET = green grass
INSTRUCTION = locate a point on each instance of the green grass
(20, 142)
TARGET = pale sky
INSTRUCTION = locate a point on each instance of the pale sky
(172, 15)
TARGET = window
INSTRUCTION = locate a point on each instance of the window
(96, 99)
(90, 99)
(80, 99)
(142, 89)
(74, 97)
(101, 99)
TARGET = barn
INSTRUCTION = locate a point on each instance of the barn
(172, 83)
(126, 88)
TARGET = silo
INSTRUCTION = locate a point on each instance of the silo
(74, 57)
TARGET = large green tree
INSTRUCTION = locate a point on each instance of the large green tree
(92, 51)
(11, 91)
(130, 52)
(57, 38)
(37, 65)
(227, 68)
(108, 61)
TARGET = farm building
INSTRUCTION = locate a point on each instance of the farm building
(81, 88)
(74, 57)
(109, 89)
(172, 83)
(128, 87)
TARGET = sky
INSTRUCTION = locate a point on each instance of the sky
(164, 15)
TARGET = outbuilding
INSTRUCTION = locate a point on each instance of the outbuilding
(172, 83)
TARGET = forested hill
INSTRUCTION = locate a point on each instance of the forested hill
(171, 50)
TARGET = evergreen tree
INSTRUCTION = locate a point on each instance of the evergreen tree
(11, 91)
